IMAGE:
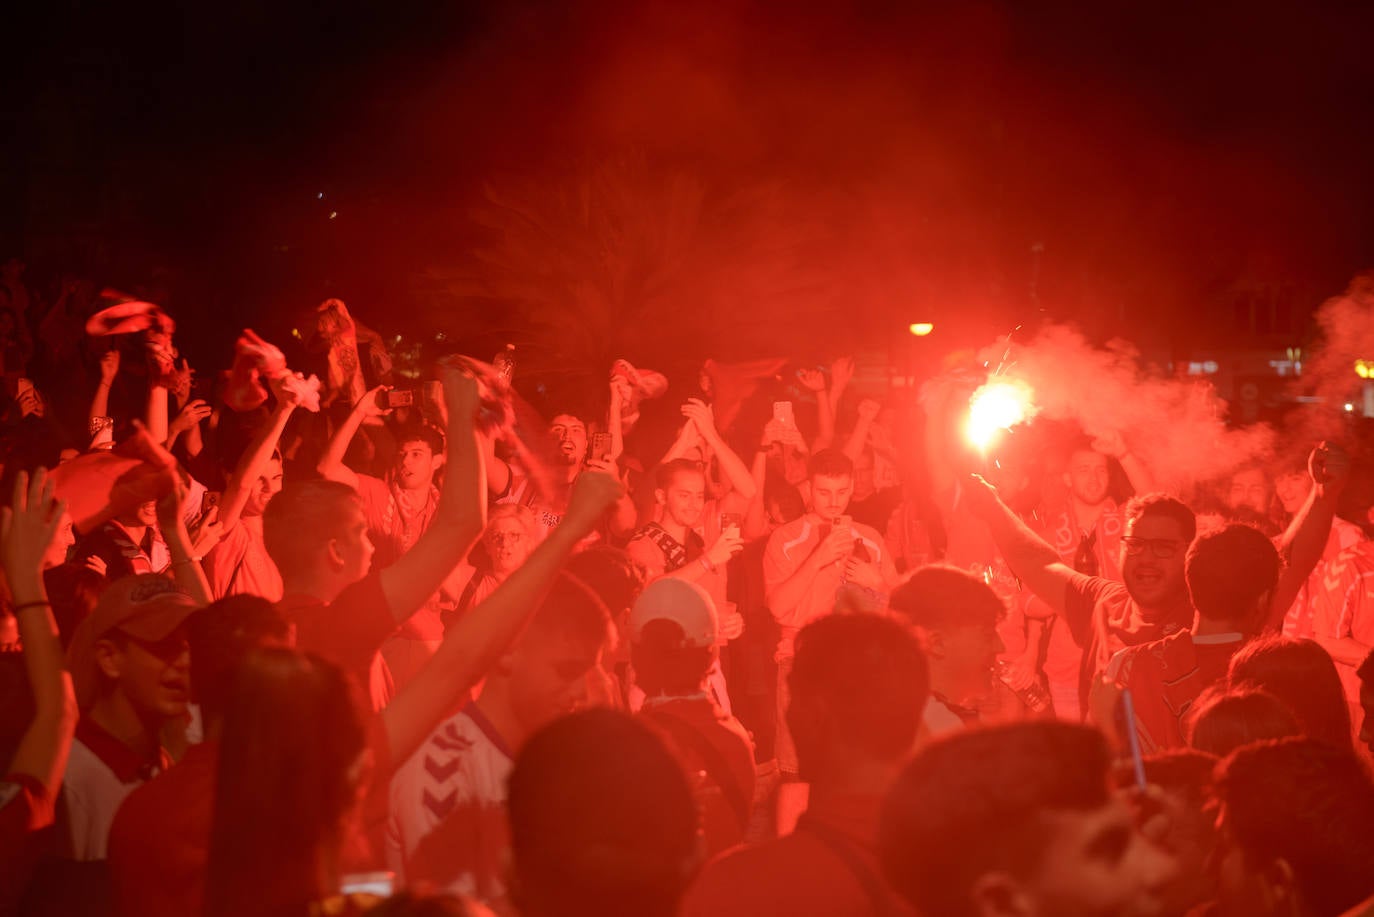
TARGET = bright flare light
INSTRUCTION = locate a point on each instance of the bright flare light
(999, 405)
(921, 329)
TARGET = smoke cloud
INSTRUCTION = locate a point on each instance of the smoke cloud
(1346, 323)
(1176, 426)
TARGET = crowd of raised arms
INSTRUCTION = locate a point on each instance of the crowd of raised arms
(334, 639)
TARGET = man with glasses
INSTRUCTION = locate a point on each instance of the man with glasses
(1103, 615)
(1152, 602)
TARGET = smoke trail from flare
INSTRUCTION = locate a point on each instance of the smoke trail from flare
(1177, 427)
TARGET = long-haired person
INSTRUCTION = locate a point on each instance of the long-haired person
(293, 760)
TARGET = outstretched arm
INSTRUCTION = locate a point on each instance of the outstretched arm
(255, 458)
(477, 640)
(331, 464)
(462, 511)
(735, 471)
(1029, 556)
(1305, 540)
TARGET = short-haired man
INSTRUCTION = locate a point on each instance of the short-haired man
(568, 433)
(818, 563)
(398, 510)
(956, 616)
(673, 630)
(1018, 819)
(317, 533)
(1294, 825)
(447, 819)
(859, 684)
(160, 839)
(1231, 576)
(601, 821)
(131, 670)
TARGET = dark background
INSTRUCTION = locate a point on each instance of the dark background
(665, 181)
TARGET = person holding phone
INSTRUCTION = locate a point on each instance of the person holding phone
(813, 566)
(399, 509)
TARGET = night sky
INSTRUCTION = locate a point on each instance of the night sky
(767, 178)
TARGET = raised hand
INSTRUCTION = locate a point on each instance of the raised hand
(109, 366)
(726, 546)
(841, 373)
(193, 413)
(981, 497)
(593, 493)
(29, 525)
(812, 379)
(373, 404)
(700, 413)
(1111, 444)
(1329, 466)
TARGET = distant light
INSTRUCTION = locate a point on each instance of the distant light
(921, 329)
(1364, 369)
(441, 337)
(333, 214)
(320, 196)
(296, 333)
(1349, 407)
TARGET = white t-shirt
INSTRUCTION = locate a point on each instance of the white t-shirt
(447, 824)
(93, 789)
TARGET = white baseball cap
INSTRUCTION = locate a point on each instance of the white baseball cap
(687, 604)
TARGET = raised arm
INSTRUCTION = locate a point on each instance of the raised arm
(171, 522)
(841, 372)
(1138, 473)
(100, 401)
(27, 528)
(868, 413)
(614, 422)
(1305, 540)
(255, 458)
(735, 471)
(689, 436)
(1029, 556)
(477, 640)
(331, 464)
(462, 510)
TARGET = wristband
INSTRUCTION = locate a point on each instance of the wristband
(38, 604)
(706, 564)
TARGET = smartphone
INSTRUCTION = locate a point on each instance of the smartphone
(601, 447)
(782, 413)
(844, 523)
(731, 521)
(400, 398)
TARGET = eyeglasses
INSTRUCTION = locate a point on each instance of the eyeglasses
(1163, 548)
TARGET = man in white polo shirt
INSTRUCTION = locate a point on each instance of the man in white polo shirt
(130, 666)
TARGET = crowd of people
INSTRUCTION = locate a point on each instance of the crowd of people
(365, 641)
